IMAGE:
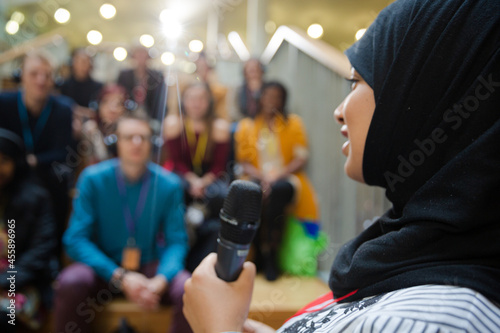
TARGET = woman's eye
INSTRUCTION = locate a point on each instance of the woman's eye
(353, 83)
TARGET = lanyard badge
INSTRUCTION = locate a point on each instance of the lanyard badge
(31, 137)
(131, 256)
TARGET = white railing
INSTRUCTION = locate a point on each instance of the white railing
(16, 51)
(322, 52)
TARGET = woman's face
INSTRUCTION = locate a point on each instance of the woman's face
(111, 108)
(253, 70)
(355, 115)
(7, 168)
(196, 102)
(271, 101)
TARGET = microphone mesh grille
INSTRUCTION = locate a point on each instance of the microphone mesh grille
(244, 201)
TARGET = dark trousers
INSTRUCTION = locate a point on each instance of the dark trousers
(207, 233)
(80, 293)
(270, 234)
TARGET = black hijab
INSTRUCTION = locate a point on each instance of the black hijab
(433, 142)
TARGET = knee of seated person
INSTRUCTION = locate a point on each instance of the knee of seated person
(217, 189)
(282, 187)
(176, 286)
(75, 277)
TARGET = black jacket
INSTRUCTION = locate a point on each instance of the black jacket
(35, 236)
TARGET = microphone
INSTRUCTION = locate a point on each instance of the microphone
(240, 219)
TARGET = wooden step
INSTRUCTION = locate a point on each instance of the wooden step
(272, 303)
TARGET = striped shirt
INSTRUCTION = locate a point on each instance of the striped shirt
(428, 308)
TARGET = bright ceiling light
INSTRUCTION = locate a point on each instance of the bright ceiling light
(167, 58)
(94, 37)
(147, 40)
(108, 11)
(238, 45)
(62, 15)
(360, 33)
(172, 30)
(120, 54)
(196, 45)
(315, 31)
(12, 27)
(166, 15)
(171, 25)
(18, 17)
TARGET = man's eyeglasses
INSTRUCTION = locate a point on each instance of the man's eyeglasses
(135, 138)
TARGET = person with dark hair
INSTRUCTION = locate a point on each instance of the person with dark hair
(27, 239)
(249, 93)
(422, 121)
(272, 150)
(45, 124)
(198, 145)
(80, 86)
(144, 85)
(126, 234)
(100, 133)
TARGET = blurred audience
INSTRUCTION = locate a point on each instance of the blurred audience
(45, 124)
(198, 145)
(80, 86)
(27, 238)
(144, 85)
(272, 150)
(250, 91)
(100, 133)
(126, 233)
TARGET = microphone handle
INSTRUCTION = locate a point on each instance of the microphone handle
(230, 259)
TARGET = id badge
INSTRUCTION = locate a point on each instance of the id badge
(131, 258)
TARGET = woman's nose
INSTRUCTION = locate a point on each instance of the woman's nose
(338, 114)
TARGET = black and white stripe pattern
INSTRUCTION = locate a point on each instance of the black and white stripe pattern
(429, 308)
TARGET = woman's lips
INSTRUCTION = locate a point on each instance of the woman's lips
(345, 146)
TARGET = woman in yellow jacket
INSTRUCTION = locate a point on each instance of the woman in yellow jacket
(272, 150)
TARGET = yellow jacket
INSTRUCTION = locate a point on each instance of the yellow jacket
(292, 138)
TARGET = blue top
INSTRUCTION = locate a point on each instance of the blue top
(97, 233)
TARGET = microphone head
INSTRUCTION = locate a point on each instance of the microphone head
(240, 214)
(243, 202)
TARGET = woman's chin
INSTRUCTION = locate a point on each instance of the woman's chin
(345, 148)
(353, 172)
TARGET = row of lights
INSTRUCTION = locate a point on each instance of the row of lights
(172, 29)
(107, 11)
(61, 15)
(316, 31)
(12, 26)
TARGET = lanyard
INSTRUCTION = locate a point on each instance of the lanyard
(29, 137)
(141, 203)
(200, 147)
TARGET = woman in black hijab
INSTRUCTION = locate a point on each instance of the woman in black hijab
(27, 239)
(423, 122)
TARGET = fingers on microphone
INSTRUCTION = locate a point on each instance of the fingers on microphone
(211, 258)
(248, 272)
(205, 269)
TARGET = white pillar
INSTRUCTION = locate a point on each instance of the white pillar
(256, 32)
(212, 31)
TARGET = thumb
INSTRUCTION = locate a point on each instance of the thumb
(247, 274)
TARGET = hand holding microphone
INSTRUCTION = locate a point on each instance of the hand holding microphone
(211, 304)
